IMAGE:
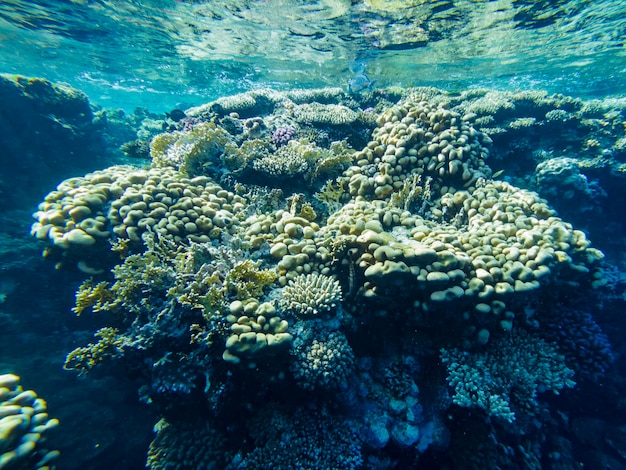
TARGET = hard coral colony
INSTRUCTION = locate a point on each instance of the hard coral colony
(398, 256)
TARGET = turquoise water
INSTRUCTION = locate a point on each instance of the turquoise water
(158, 53)
(338, 234)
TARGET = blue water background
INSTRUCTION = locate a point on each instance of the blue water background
(164, 54)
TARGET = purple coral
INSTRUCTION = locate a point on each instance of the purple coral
(188, 123)
(282, 135)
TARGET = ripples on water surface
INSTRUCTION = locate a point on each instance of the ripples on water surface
(172, 49)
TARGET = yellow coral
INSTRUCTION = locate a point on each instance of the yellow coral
(247, 280)
(94, 297)
(83, 359)
(238, 158)
(331, 194)
(189, 151)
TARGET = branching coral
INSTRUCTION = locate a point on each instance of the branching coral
(505, 378)
(190, 151)
(312, 294)
(93, 297)
(83, 359)
(331, 194)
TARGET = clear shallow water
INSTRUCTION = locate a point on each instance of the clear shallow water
(393, 399)
(160, 53)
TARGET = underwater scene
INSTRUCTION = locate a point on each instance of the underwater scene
(336, 234)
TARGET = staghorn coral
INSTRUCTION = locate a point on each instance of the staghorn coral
(504, 379)
(311, 294)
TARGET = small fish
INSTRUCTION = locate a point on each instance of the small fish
(176, 115)
(360, 81)
(497, 173)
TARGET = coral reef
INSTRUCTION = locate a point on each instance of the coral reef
(24, 424)
(304, 439)
(322, 363)
(505, 379)
(312, 294)
(357, 252)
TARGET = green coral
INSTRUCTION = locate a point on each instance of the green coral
(246, 280)
(83, 359)
(92, 297)
(190, 151)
